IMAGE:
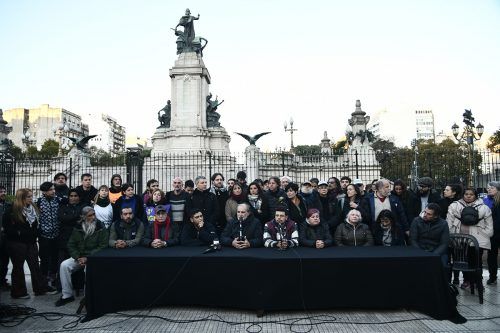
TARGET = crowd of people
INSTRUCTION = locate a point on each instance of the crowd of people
(55, 233)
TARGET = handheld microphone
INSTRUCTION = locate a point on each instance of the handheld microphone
(241, 238)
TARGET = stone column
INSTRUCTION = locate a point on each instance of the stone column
(252, 156)
(4, 133)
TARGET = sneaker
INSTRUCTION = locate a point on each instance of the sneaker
(21, 297)
(51, 290)
(491, 281)
(465, 285)
(62, 301)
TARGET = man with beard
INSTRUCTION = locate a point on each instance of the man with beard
(244, 231)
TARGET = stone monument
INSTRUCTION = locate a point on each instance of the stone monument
(359, 137)
(4, 133)
(190, 122)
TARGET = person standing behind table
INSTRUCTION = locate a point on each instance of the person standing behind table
(425, 194)
(331, 212)
(452, 192)
(196, 232)
(88, 237)
(62, 190)
(177, 199)
(243, 231)
(387, 232)
(130, 200)
(126, 232)
(203, 199)
(48, 227)
(275, 194)
(281, 232)
(158, 198)
(408, 199)
(115, 190)
(352, 232)
(374, 203)
(310, 196)
(352, 201)
(68, 215)
(313, 232)
(103, 206)
(21, 228)
(221, 194)
(189, 187)
(494, 193)
(481, 228)
(162, 232)
(429, 232)
(297, 208)
(151, 186)
(86, 190)
(236, 197)
(258, 203)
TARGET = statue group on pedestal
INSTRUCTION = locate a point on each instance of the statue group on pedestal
(187, 40)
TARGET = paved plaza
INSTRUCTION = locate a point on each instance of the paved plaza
(48, 318)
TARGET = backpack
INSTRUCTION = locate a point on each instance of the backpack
(469, 215)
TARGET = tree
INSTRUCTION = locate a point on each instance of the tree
(494, 142)
(306, 150)
(50, 148)
(16, 151)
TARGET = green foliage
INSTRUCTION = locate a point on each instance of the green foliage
(32, 152)
(50, 148)
(494, 142)
(307, 150)
(100, 157)
(16, 151)
(445, 162)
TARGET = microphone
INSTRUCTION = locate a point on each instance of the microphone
(215, 244)
(241, 238)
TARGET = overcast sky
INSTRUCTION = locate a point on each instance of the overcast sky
(269, 60)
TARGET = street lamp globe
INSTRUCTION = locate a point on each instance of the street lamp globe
(480, 129)
(455, 129)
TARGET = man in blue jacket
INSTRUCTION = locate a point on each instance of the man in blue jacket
(381, 199)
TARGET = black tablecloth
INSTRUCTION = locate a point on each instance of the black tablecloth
(268, 279)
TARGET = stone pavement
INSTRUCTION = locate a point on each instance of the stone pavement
(202, 319)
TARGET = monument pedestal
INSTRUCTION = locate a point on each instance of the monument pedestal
(188, 131)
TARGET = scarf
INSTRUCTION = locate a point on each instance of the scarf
(157, 226)
(237, 198)
(255, 201)
(88, 228)
(102, 202)
(30, 214)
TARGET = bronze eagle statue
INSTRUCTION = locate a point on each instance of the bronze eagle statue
(81, 143)
(252, 139)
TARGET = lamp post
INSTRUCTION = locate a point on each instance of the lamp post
(27, 137)
(470, 133)
(414, 178)
(291, 130)
(62, 131)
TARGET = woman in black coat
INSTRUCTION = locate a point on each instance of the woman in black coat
(387, 231)
(313, 232)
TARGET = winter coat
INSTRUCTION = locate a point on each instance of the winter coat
(68, 216)
(308, 234)
(191, 236)
(368, 205)
(131, 233)
(19, 231)
(86, 197)
(297, 213)
(430, 236)
(206, 202)
(274, 199)
(483, 230)
(79, 246)
(251, 230)
(135, 202)
(173, 234)
(348, 234)
(397, 236)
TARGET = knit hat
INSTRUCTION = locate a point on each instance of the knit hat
(425, 181)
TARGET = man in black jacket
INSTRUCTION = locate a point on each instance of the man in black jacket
(244, 231)
(431, 232)
(203, 199)
(196, 232)
(86, 190)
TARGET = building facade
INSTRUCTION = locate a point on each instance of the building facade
(32, 127)
(425, 125)
(110, 134)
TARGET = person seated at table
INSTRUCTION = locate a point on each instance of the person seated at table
(244, 231)
(352, 232)
(281, 232)
(197, 232)
(430, 232)
(88, 236)
(387, 231)
(313, 232)
(162, 232)
(127, 231)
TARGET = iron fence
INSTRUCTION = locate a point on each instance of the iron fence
(444, 167)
